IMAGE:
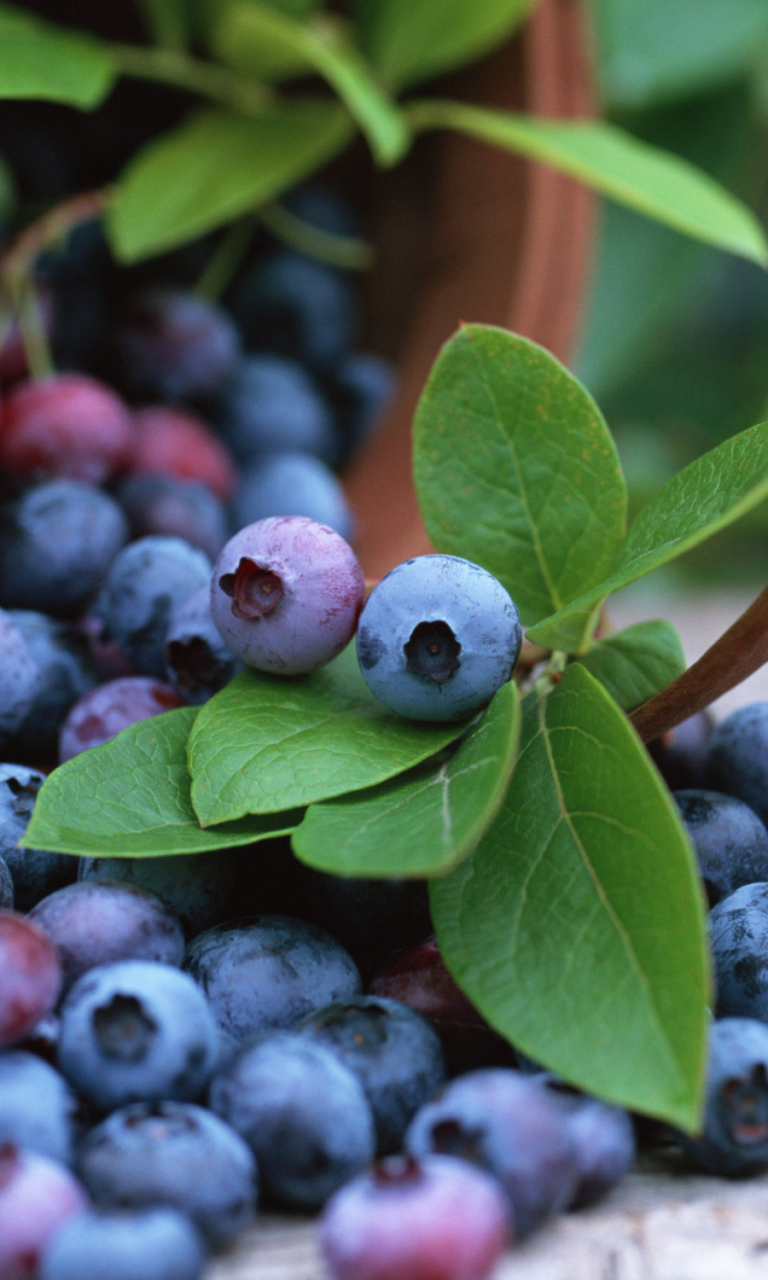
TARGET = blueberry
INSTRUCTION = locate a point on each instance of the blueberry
(392, 1050)
(603, 1136)
(269, 972)
(147, 582)
(681, 754)
(739, 942)
(304, 1115)
(176, 346)
(286, 595)
(6, 886)
(737, 761)
(324, 208)
(157, 1244)
(416, 1220)
(364, 384)
(273, 404)
(164, 506)
(67, 671)
(37, 1196)
(437, 637)
(64, 425)
(197, 660)
(31, 977)
(108, 709)
(506, 1123)
(197, 888)
(297, 306)
(136, 1031)
(19, 678)
(176, 443)
(56, 545)
(731, 842)
(34, 872)
(96, 923)
(734, 1141)
(173, 1154)
(291, 484)
(37, 1107)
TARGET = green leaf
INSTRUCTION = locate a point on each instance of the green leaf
(703, 498)
(637, 663)
(267, 743)
(258, 39)
(216, 167)
(577, 926)
(167, 22)
(130, 798)
(645, 178)
(411, 40)
(653, 53)
(515, 469)
(424, 822)
(38, 60)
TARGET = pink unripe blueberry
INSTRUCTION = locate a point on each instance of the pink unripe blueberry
(434, 1219)
(37, 1196)
(30, 977)
(286, 594)
(65, 425)
(173, 442)
(105, 711)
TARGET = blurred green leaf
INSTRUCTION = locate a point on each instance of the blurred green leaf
(700, 500)
(130, 798)
(661, 52)
(577, 925)
(425, 821)
(168, 22)
(645, 178)
(411, 40)
(216, 167)
(258, 39)
(38, 60)
(636, 663)
(515, 469)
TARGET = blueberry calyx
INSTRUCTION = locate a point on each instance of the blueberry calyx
(255, 591)
(123, 1029)
(432, 651)
(745, 1102)
(193, 662)
(397, 1171)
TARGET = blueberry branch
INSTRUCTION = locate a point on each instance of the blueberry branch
(737, 654)
(173, 67)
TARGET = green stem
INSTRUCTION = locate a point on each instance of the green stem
(347, 252)
(549, 677)
(226, 258)
(164, 21)
(172, 67)
(32, 329)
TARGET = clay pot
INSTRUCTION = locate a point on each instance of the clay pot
(469, 233)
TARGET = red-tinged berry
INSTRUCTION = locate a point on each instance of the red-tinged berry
(432, 1219)
(103, 712)
(173, 442)
(31, 977)
(37, 1196)
(66, 425)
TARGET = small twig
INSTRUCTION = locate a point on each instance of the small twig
(181, 71)
(348, 252)
(226, 258)
(19, 259)
(737, 654)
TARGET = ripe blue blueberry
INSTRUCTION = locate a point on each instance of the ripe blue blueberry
(437, 637)
(507, 1123)
(67, 672)
(273, 404)
(393, 1051)
(37, 1107)
(737, 762)
(137, 1031)
(195, 887)
(269, 972)
(198, 661)
(286, 594)
(57, 544)
(175, 1154)
(731, 842)
(35, 873)
(291, 484)
(6, 886)
(734, 1141)
(303, 1114)
(431, 1219)
(19, 678)
(176, 345)
(156, 1244)
(161, 506)
(603, 1136)
(147, 582)
(739, 943)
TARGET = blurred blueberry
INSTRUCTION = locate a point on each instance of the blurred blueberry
(37, 1107)
(67, 671)
(176, 346)
(272, 404)
(157, 1244)
(106, 710)
(363, 384)
(197, 660)
(19, 678)
(734, 1139)
(603, 1135)
(291, 484)
(739, 943)
(160, 505)
(6, 886)
(196, 888)
(35, 873)
(737, 761)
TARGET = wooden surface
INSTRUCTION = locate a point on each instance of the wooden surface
(658, 1225)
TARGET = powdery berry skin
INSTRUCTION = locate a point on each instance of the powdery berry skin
(314, 576)
(31, 976)
(65, 425)
(437, 637)
(435, 1219)
(109, 708)
(37, 1196)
